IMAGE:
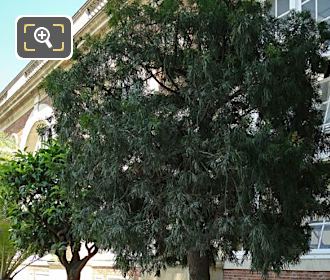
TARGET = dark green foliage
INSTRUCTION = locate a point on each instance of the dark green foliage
(38, 205)
(222, 155)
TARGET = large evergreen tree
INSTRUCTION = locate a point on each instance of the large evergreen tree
(222, 154)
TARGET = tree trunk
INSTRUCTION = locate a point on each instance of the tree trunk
(76, 264)
(199, 266)
(73, 273)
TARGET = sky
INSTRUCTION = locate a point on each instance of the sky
(10, 65)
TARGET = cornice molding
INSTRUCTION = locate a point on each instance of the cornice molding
(85, 18)
(36, 71)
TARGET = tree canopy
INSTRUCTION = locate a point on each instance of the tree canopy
(38, 207)
(221, 154)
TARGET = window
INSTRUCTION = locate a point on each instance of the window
(320, 238)
(315, 237)
(280, 8)
(319, 9)
(325, 98)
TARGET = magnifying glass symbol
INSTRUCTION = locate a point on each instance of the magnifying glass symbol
(42, 35)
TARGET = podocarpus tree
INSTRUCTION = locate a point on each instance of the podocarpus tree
(221, 154)
(39, 209)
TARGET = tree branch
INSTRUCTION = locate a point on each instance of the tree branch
(92, 251)
(159, 82)
(25, 266)
(62, 257)
(75, 252)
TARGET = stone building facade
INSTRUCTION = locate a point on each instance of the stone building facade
(24, 106)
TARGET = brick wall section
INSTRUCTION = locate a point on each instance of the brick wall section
(241, 274)
(19, 124)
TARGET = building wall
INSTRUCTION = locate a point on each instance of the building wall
(28, 105)
(239, 274)
(23, 107)
(179, 273)
(310, 269)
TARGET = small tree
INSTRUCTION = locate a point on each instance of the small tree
(10, 257)
(39, 209)
(223, 154)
